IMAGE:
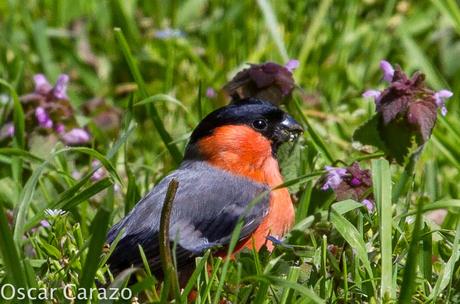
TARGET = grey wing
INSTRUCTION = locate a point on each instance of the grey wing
(206, 209)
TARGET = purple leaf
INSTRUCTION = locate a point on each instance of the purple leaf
(269, 81)
(411, 100)
(422, 114)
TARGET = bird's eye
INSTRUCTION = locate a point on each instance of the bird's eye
(259, 124)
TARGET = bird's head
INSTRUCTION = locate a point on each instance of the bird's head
(249, 127)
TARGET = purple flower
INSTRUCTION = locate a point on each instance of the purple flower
(60, 128)
(351, 182)
(373, 94)
(291, 65)
(60, 89)
(76, 175)
(440, 99)
(10, 129)
(388, 70)
(42, 86)
(76, 136)
(210, 93)
(44, 90)
(6, 131)
(99, 173)
(369, 205)
(334, 177)
(44, 224)
(437, 216)
(43, 119)
(355, 182)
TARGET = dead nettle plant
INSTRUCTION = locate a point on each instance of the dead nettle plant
(406, 113)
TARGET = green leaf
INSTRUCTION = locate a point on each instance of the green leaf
(288, 159)
(50, 250)
(368, 133)
(346, 206)
(396, 138)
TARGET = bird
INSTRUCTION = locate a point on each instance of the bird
(229, 161)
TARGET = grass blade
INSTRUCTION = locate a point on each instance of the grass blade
(293, 275)
(317, 140)
(273, 27)
(306, 292)
(19, 127)
(167, 139)
(352, 236)
(409, 282)
(24, 202)
(450, 9)
(381, 179)
(10, 254)
(99, 228)
(104, 161)
(311, 35)
(193, 278)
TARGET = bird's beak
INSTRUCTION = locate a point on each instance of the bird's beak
(291, 127)
(287, 130)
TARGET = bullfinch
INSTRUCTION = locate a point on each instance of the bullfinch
(229, 161)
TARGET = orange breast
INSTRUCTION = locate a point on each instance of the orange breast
(245, 152)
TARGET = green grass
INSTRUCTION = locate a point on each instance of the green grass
(337, 252)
